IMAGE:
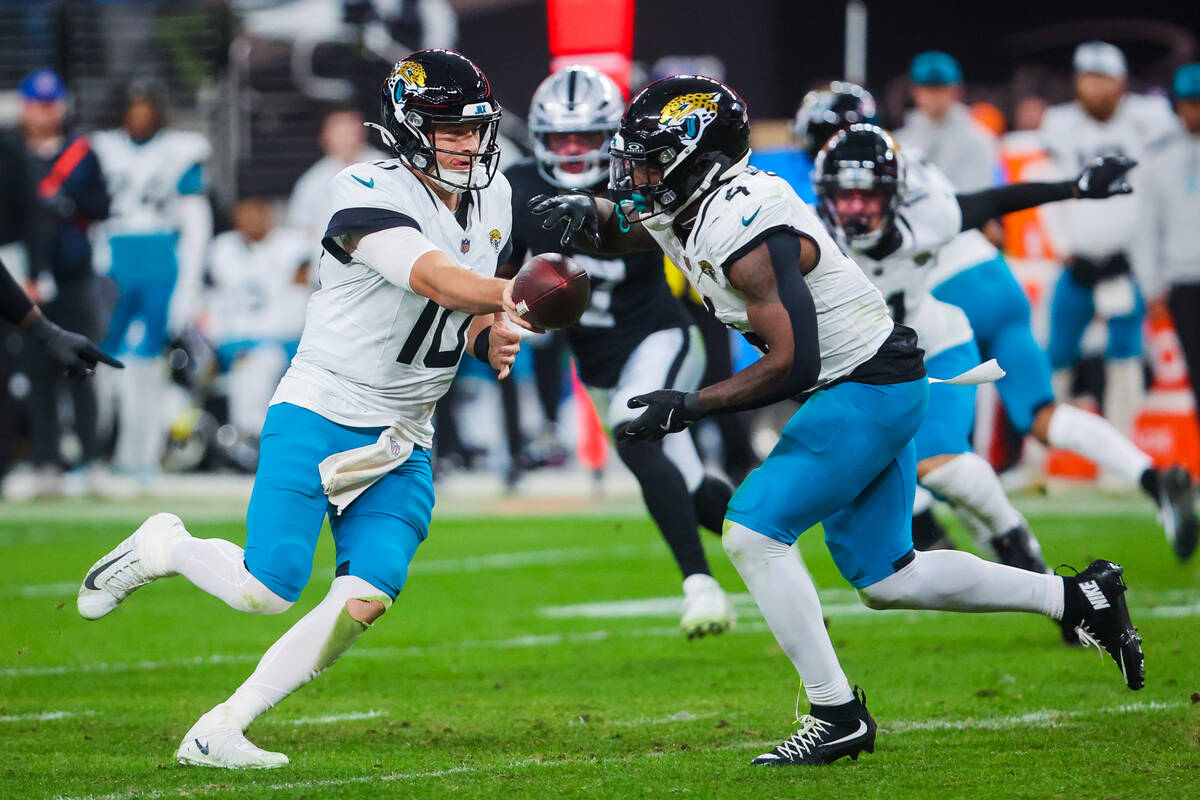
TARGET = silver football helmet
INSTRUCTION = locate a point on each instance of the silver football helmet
(576, 99)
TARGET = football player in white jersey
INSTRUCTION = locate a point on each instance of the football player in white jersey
(152, 246)
(407, 284)
(255, 291)
(892, 216)
(766, 266)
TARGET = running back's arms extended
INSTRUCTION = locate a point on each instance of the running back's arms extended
(591, 224)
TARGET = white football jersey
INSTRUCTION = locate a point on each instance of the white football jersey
(852, 320)
(146, 180)
(252, 292)
(1098, 228)
(928, 217)
(375, 354)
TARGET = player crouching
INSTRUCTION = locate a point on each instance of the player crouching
(349, 428)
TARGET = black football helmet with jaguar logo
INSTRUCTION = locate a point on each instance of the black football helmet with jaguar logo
(679, 137)
(431, 87)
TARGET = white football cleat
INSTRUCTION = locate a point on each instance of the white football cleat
(133, 563)
(214, 741)
(706, 608)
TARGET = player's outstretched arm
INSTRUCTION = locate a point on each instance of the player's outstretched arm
(782, 313)
(591, 224)
(1103, 178)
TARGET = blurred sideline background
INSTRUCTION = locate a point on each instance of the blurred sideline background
(275, 88)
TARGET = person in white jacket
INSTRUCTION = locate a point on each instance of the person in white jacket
(1167, 250)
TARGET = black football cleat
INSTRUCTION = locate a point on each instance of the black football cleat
(1177, 509)
(1019, 549)
(928, 533)
(822, 741)
(1094, 609)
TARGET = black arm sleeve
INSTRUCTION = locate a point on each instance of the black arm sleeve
(91, 193)
(979, 207)
(783, 245)
(14, 303)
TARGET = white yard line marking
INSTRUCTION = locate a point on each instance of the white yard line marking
(29, 591)
(750, 624)
(349, 716)
(1034, 719)
(44, 716)
(532, 558)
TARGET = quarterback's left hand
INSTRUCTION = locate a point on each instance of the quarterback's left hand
(667, 411)
(1104, 177)
(503, 345)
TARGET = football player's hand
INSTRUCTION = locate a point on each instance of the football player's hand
(75, 352)
(510, 308)
(579, 211)
(667, 411)
(503, 345)
(1104, 177)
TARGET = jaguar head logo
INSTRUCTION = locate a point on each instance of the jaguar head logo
(407, 75)
(690, 114)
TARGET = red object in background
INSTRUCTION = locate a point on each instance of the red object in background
(598, 33)
(1167, 428)
(592, 446)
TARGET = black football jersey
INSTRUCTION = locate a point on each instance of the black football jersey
(630, 298)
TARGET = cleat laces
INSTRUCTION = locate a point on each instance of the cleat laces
(805, 740)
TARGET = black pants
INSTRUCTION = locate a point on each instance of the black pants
(77, 308)
(1184, 301)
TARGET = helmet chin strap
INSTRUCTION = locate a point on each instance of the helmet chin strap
(715, 175)
(388, 140)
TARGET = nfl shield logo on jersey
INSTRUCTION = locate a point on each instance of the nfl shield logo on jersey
(393, 447)
(466, 244)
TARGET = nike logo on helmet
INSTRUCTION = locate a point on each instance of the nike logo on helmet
(90, 581)
(370, 184)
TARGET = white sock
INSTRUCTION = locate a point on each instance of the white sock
(951, 580)
(219, 568)
(978, 529)
(1124, 391)
(140, 440)
(1095, 438)
(969, 481)
(307, 649)
(784, 592)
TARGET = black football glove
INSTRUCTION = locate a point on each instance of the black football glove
(75, 352)
(579, 210)
(1104, 177)
(667, 411)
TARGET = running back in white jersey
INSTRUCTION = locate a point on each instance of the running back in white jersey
(146, 180)
(927, 219)
(374, 353)
(852, 320)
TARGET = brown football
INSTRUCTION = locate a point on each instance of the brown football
(551, 291)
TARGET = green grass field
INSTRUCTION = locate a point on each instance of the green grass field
(487, 678)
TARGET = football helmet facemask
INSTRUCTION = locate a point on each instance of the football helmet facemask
(679, 137)
(862, 159)
(580, 100)
(440, 87)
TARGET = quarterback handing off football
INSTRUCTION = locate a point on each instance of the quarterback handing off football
(551, 291)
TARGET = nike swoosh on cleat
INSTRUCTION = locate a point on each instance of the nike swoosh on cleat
(90, 581)
(862, 728)
(203, 748)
